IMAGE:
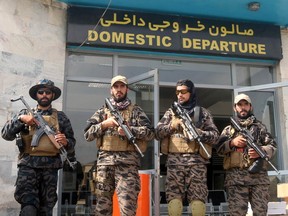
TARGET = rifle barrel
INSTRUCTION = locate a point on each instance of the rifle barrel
(251, 143)
(121, 123)
(46, 128)
(188, 123)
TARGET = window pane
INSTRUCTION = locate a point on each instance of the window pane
(89, 66)
(142, 93)
(200, 73)
(263, 103)
(173, 70)
(249, 76)
(83, 99)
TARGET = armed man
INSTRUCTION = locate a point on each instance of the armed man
(246, 172)
(119, 156)
(187, 133)
(38, 165)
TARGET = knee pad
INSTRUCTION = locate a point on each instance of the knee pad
(28, 210)
(175, 207)
(197, 208)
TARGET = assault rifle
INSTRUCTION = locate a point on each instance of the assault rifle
(189, 126)
(131, 138)
(43, 127)
(257, 165)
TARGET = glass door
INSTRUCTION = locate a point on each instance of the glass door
(144, 91)
(267, 107)
(83, 98)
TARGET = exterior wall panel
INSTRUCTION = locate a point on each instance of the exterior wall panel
(32, 46)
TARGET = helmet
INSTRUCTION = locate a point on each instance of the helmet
(45, 83)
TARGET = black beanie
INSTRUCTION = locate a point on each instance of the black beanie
(192, 102)
(187, 83)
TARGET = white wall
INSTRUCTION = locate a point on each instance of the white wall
(283, 75)
(32, 47)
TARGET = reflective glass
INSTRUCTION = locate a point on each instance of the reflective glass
(83, 99)
(250, 75)
(173, 70)
(89, 66)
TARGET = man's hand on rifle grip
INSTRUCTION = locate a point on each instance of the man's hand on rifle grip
(28, 119)
(239, 142)
(252, 153)
(109, 122)
(61, 138)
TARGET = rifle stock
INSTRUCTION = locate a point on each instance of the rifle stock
(131, 138)
(251, 144)
(44, 128)
(189, 126)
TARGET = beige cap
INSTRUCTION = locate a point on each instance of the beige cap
(242, 97)
(119, 78)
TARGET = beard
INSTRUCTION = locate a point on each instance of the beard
(248, 114)
(44, 103)
(120, 99)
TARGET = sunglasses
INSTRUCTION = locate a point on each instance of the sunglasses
(183, 91)
(47, 92)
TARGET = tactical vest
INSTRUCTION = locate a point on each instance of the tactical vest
(45, 146)
(236, 159)
(112, 141)
(178, 143)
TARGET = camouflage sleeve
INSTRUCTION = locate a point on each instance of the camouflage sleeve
(267, 141)
(223, 144)
(13, 127)
(140, 125)
(163, 127)
(209, 132)
(93, 129)
(66, 128)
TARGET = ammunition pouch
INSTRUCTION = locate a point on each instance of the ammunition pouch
(179, 144)
(233, 160)
(45, 147)
(118, 143)
(237, 159)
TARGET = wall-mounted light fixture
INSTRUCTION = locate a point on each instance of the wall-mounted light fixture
(254, 6)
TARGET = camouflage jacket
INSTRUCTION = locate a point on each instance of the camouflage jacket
(258, 130)
(241, 176)
(140, 127)
(13, 127)
(207, 130)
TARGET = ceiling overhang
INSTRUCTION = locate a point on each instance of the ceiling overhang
(269, 11)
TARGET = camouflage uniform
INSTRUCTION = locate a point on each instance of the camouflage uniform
(187, 171)
(243, 186)
(118, 170)
(37, 175)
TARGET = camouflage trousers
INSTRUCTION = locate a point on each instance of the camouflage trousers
(37, 187)
(192, 179)
(125, 180)
(240, 195)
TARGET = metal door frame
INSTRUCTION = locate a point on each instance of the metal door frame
(155, 173)
(271, 86)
